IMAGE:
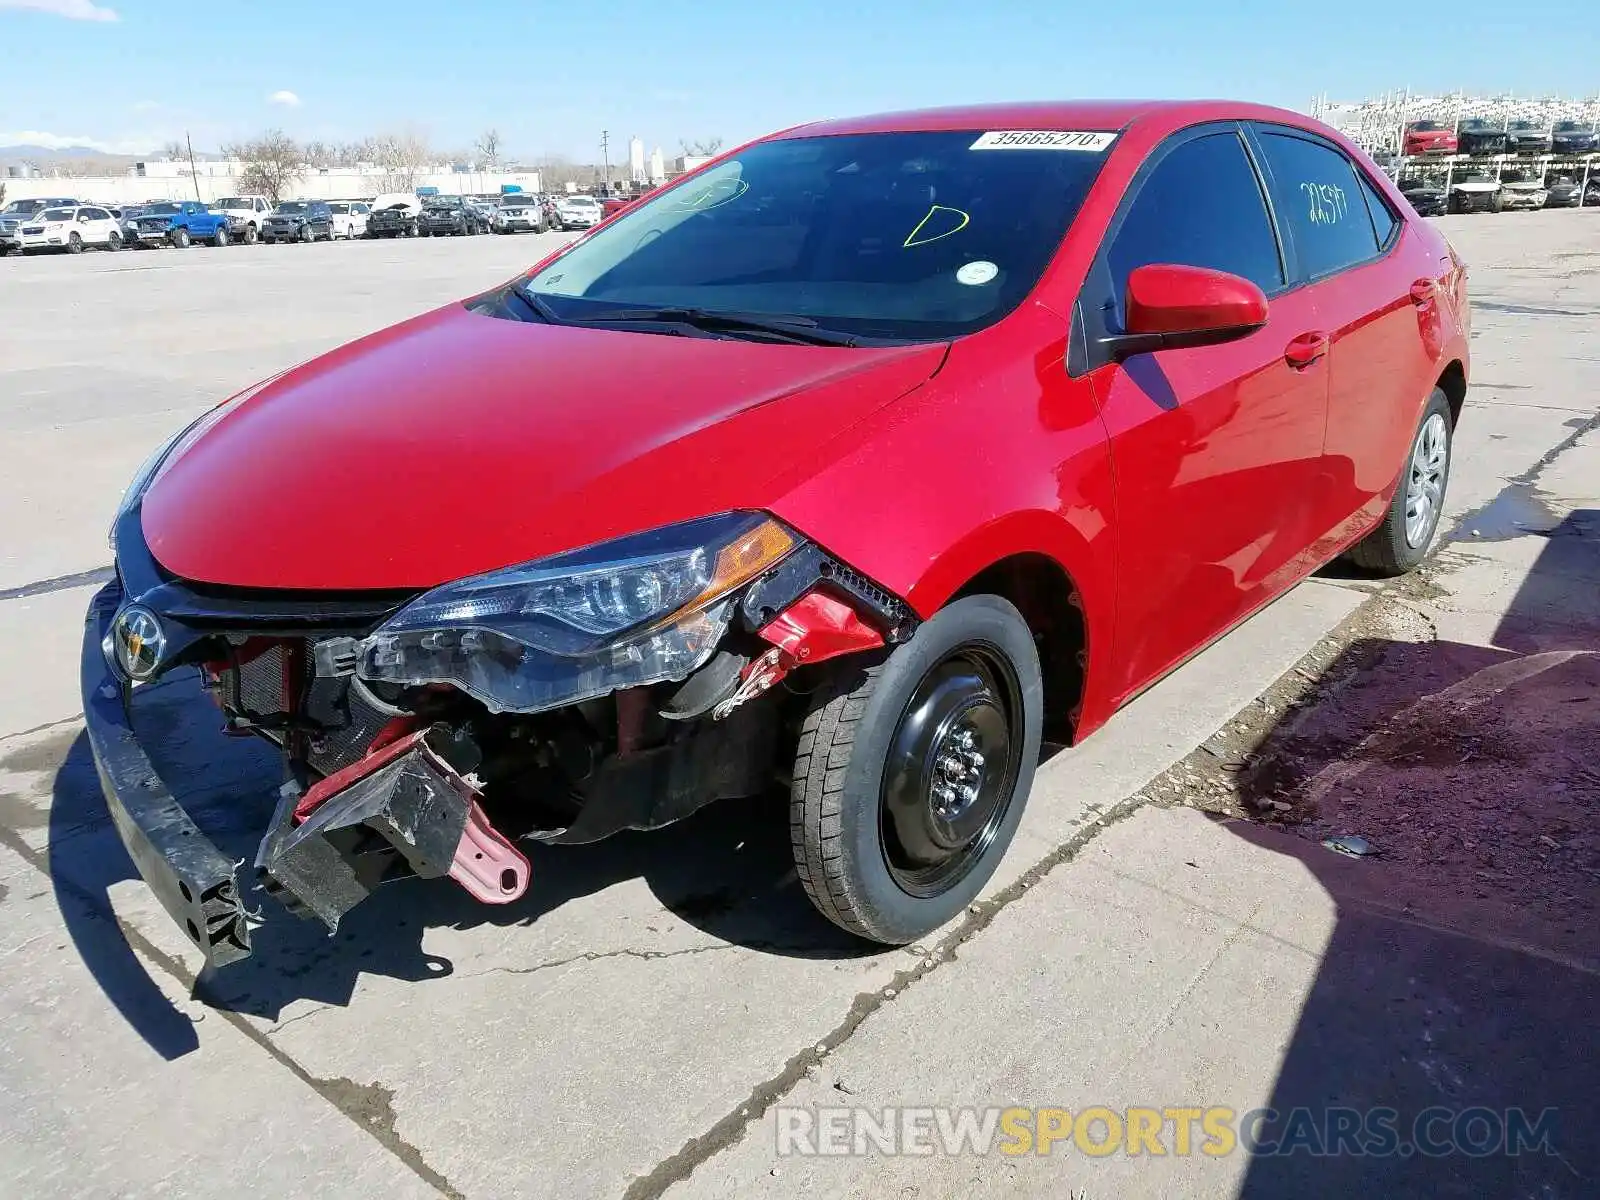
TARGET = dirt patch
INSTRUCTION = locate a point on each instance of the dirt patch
(1473, 771)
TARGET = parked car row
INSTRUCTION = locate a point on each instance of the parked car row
(1477, 136)
(1481, 191)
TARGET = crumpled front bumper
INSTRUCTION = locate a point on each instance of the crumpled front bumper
(195, 882)
(400, 811)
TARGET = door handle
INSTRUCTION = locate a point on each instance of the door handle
(1423, 292)
(1305, 350)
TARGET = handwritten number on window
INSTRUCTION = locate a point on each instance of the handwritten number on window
(1326, 202)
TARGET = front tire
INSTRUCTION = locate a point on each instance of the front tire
(1401, 541)
(180, 238)
(74, 243)
(912, 773)
(220, 238)
(114, 242)
(250, 235)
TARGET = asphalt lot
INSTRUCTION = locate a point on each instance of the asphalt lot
(637, 1023)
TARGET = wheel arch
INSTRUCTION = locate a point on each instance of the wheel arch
(1453, 383)
(1057, 581)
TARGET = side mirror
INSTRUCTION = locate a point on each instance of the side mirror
(1171, 307)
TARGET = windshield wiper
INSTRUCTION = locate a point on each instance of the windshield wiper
(795, 329)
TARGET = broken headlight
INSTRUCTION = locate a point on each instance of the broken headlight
(559, 630)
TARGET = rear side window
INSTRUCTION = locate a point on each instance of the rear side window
(1384, 222)
(1318, 196)
(1200, 207)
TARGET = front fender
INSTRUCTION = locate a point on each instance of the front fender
(999, 455)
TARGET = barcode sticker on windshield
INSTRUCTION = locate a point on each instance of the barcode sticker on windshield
(1043, 139)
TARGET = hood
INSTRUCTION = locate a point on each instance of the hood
(1476, 185)
(459, 442)
(1524, 185)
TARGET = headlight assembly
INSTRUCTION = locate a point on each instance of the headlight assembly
(634, 611)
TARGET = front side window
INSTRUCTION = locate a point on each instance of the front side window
(904, 235)
(1317, 195)
(292, 206)
(1201, 206)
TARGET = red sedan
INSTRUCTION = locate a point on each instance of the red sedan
(874, 452)
(1429, 137)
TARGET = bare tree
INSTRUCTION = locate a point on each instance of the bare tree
(317, 154)
(273, 163)
(701, 147)
(351, 154)
(174, 150)
(401, 157)
(488, 148)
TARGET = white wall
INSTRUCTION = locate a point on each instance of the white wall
(319, 185)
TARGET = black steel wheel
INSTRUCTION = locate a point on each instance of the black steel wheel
(912, 772)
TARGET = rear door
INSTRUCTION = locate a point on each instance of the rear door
(1376, 286)
(1216, 449)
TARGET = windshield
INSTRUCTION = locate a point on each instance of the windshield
(291, 206)
(161, 210)
(340, 208)
(1569, 127)
(56, 214)
(1521, 125)
(232, 202)
(895, 235)
(1475, 123)
(25, 208)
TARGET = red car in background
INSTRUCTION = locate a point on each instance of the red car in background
(1428, 137)
(874, 452)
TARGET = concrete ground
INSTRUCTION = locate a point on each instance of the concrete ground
(1168, 929)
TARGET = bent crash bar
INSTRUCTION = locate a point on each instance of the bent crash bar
(402, 810)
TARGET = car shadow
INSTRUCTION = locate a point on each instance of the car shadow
(727, 871)
(1461, 980)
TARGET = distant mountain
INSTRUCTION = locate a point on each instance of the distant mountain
(45, 152)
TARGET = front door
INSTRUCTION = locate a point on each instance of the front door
(1216, 450)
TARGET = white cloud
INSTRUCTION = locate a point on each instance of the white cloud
(286, 98)
(72, 10)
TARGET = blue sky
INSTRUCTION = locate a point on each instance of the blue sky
(129, 74)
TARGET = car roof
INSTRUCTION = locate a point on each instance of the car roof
(1054, 114)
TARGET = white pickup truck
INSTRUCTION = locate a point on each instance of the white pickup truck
(246, 215)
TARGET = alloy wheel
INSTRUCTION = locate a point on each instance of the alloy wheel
(1430, 457)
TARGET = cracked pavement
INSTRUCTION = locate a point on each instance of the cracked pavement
(633, 1026)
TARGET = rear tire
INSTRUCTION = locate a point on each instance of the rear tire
(1408, 528)
(912, 772)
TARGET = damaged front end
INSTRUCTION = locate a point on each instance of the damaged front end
(431, 734)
